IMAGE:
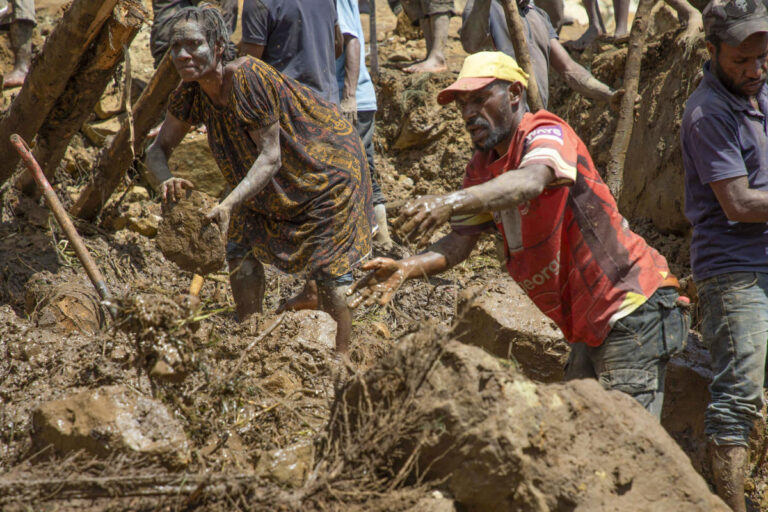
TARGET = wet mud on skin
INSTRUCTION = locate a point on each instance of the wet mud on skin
(253, 401)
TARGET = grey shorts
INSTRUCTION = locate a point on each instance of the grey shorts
(418, 9)
(24, 10)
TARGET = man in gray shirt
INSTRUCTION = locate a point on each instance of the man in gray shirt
(300, 38)
(485, 28)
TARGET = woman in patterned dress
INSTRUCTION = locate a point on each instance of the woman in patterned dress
(300, 199)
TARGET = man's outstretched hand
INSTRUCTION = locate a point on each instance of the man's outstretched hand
(421, 217)
(380, 284)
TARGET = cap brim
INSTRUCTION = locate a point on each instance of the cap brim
(466, 84)
(736, 34)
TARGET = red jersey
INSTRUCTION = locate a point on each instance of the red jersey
(570, 249)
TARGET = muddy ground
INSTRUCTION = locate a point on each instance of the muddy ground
(176, 405)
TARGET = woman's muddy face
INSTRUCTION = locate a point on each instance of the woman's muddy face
(190, 51)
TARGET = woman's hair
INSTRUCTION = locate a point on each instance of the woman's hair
(213, 25)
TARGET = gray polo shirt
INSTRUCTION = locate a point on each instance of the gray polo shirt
(538, 33)
(298, 40)
(723, 136)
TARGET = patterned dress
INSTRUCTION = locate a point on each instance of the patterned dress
(316, 214)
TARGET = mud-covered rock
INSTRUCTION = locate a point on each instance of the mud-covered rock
(64, 307)
(435, 502)
(187, 238)
(455, 414)
(109, 420)
(289, 465)
(192, 160)
(500, 318)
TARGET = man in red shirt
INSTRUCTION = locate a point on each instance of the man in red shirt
(532, 179)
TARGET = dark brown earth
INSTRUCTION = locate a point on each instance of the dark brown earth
(187, 238)
(262, 404)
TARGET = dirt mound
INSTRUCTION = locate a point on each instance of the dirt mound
(653, 176)
(427, 145)
(438, 410)
(187, 238)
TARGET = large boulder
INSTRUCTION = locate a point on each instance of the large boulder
(500, 318)
(443, 411)
(110, 420)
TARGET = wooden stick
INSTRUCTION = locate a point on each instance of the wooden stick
(66, 223)
(49, 75)
(197, 284)
(618, 152)
(112, 486)
(522, 55)
(116, 159)
(374, 42)
(84, 88)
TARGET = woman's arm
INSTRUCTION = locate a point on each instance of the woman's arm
(261, 172)
(171, 134)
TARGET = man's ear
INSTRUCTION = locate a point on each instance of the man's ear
(712, 50)
(515, 93)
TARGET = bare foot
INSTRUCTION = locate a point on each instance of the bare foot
(619, 38)
(427, 66)
(14, 79)
(690, 39)
(306, 299)
(586, 39)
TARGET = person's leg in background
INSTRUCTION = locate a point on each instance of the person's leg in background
(366, 121)
(434, 17)
(21, 41)
(247, 279)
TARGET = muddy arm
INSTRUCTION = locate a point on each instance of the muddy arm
(475, 30)
(503, 192)
(263, 169)
(423, 216)
(386, 275)
(171, 134)
(576, 76)
(740, 202)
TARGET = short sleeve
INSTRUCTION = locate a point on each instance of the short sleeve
(256, 22)
(712, 143)
(347, 22)
(554, 146)
(552, 34)
(475, 174)
(255, 89)
(184, 103)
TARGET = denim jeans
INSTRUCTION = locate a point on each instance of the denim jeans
(366, 122)
(734, 311)
(634, 355)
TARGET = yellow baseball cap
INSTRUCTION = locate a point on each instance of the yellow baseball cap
(479, 70)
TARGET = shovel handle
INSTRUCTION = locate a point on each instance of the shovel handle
(197, 284)
(65, 222)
